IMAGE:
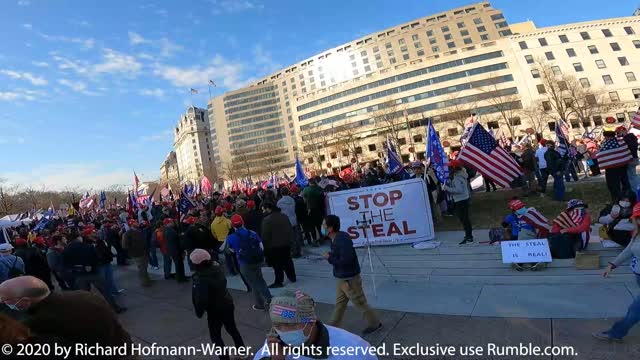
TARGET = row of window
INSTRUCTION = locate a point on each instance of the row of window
(584, 35)
(261, 140)
(254, 126)
(420, 84)
(419, 109)
(250, 93)
(253, 120)
(253, 134)
(585, 83)
(251, 106)
(244, 114)
(400, 77)
(251, 99)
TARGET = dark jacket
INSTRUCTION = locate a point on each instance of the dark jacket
(276, 230)
(554, 161)
(35, 263)
(343, 257)
(80, 257)
(105, 256)
(529, 160)
(253, 220)
(209, 291)
(632, 142)
(78, 317)
(172, 241)
(199, 237)
(302, 213)
(313, 197)
(135, 243)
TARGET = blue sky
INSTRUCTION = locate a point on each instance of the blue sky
(90, 92)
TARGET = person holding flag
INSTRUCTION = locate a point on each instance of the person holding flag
(458, 187)
(614, 157)
(632, 143)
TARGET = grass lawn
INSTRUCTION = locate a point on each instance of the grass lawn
(488, 209)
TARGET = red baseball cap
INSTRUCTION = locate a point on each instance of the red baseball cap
(167, 221)
(228, 206)
(455, 163)
(21, 241)
(236, 220)
(219, 210)
(191, 220)
(87, 232)
(516, 205)
(293, 188)
(132, 222)
(251, 204)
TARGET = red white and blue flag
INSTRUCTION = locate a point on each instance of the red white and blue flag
(562, 136)
(481, 152)
(635, 120)
(613, 153)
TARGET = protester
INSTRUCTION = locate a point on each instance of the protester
(77, 316)
(210, 295)
(220, 228)
(147, 231)
(54, 260)
(614, 164)
(524, 224)
(105, 258)
(253, 217)
(616, 220)
(174, 249)
(199, 236)
(11, 266)
(575, 222)
(277, 236)
(458, 187)
(288, 207)
(35, 262)
(312, 195)
(249, 251)
(542, 166)
(136, 245)
(295, 324)
(528, 164)
(632, 143)
(621, 328)
(346, 269)
(555, 167)
(162, 245)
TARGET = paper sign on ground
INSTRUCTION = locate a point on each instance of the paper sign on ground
(525, 251)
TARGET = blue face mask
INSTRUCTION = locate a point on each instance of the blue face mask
(293, 337)
(14, 307)
(323, 231)
(521, 211)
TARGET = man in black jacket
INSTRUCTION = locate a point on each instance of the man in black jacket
(277, 237)
(210, 295)
(346, 270)
(555, 166)
(632, 143)
(172, 239)
(528, 158)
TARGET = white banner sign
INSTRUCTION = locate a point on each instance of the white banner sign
(395, 213)
(525, 251)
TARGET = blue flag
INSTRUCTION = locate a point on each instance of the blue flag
(394, 161)
(185, 204)
(436, 155)
(41, 224)
(301, 177)
(103, 199)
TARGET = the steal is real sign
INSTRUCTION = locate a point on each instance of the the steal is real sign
(525, 251)
(399, 213)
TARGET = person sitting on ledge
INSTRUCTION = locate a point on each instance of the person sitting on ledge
(615, 220)
(575, 222)
(524, 224)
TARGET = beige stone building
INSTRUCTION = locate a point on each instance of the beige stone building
(169, 171)
(340, 106)
(192, 146)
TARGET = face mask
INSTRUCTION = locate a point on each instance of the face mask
(624, 204)
(14, 307)
(521, 211)
(294, 337)
(323, 231)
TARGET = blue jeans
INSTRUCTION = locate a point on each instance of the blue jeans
(622, 327)
(632, 175)
(153, 256)
(106, 273)
(166, 263)
(558, 187)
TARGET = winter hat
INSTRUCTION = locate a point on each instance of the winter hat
(292, 307)
(191, 220)
(516, 204)
(132, 223)
(199, 255)
(237, 221)
(574, 203)
(219, 211)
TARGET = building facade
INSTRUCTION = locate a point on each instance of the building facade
(169, 171)
(192, 145)
(341, 106)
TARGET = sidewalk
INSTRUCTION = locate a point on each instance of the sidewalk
(163, 314)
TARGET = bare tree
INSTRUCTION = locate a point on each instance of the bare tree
(585, 102)
(505, 104)
(537, 116)
(313, 144)
(457, 113)
(7, 197)
(390, 119)
(555, 89)
(347, 140)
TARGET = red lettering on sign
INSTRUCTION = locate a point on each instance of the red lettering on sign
(365, 198)
(353, 231)
(353, 203)
(395, 195)
(405, 226)
(378, 231)
(394, 229)
(380, 199)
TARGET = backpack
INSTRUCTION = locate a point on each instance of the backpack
(14, 272)
(496, 235)
(249, 250)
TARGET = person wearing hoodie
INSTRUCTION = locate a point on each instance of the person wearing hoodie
(458, 187)
(220, 228)
(210, 295)
(288, 207)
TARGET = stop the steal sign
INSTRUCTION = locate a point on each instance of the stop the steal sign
(525, 251)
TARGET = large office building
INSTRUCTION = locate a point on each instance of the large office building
(339, 107)
(192, 145)
(169, 171)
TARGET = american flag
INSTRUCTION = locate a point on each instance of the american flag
(569, 218)
(503, 141)
(613, 153)
(635, 120)
(467, 128)
(534, 218)
(562, 136)
(287, 312)
(482, 153)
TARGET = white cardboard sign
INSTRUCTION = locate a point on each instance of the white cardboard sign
(399, 213)
(525, 251)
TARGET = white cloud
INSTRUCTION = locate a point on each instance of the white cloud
(227, 74)
(117, 62)
(152, 92)
(33, 79)
(27, 26)
(19, 94)
(87, 43)
(135, 38)
(24, 2)
(234, 6)
(77, 86)
(40, 63)
(263, 58)
(79, 66)
(167, 48)
(85, 176)
(163, 135)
